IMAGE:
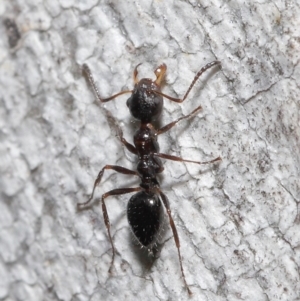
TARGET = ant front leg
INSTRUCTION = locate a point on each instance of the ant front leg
(170, 125)
(128, 145)
(106, 218)
(175, 235)
(116, 168)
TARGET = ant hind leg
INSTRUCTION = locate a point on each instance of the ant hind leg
(119, 191)
(175, 235)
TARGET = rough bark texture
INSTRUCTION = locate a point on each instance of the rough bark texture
(238, 221)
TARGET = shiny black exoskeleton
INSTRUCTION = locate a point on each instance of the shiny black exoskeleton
(145, 216)
(145, 211)
(144, 105)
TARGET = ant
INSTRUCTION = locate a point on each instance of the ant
(145, 212)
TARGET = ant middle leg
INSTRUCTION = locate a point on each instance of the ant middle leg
(175, 235)
(168, 127)
(175, 158)
(119, 191)
(116, 168)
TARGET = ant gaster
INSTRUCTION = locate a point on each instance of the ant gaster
(144, 210)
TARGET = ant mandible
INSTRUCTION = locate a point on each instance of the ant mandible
(145, 212)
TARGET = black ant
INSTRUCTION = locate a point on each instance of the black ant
(145, 211)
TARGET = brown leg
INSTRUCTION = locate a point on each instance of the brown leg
(174, 158)
(106, 218)
(116, 168)
(128, 145)
(170, 125)
(203, 69)
(175, 234)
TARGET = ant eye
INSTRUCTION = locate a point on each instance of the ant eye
(128, 102)
(145, 208)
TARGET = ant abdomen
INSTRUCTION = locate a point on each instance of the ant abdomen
(145, 216)
(144, 104)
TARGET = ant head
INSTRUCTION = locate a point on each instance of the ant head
(144, 104)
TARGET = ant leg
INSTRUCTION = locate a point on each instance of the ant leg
(199, 73)
(170, 125)
(116, 168)
(106, 218)
(128, 145)
(175, 235)
(174, 158)
(90, 77)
